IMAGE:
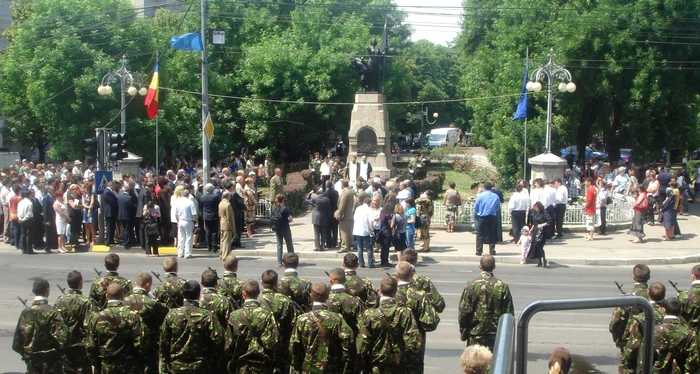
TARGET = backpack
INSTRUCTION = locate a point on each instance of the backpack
(275, 218)
(419, 222)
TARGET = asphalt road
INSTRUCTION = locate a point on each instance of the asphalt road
(584, 333)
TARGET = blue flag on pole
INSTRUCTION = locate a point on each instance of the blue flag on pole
(187, 42)
(521, 109)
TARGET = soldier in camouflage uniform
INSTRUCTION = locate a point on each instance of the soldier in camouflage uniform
(690, 301)
(117, 336)
(620, 323)
(630, 359)
(422, 282)
(483, 302)
(284, 311)
(191, 339)
(41, 335)
(230, 285)
(74, 307)
(341, 302)
(388, 334)
(425, 207)
(413, 167)
(152, 313)
(358, 286)
(100, 284)
(675, 345)
(254, 335)
(292, 285)
(170, 291)
(215, 302)
(425, 314)
(321, 341)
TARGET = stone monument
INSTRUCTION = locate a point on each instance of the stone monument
(369, 122)
(547, 166)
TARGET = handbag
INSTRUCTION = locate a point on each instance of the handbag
(150, 225)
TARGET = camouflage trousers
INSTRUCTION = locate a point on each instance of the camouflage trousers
(76, 361)
(485, 340)
(424, 231)
(40, 364)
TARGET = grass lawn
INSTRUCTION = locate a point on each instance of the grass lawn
(462, 180)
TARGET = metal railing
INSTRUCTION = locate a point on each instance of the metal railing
(264, 206)
(596, 303)
(619, 212)
(502, 360)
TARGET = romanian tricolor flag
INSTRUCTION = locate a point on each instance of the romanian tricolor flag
(152, 96)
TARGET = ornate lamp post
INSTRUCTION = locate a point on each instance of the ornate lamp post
(424, 118)
(125, 78)
(550, 73)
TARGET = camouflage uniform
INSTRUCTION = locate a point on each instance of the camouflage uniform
(75, 308)
(322, 342)
(412, 166)
(117, 339)
(388, 335)
(675, 348)
(425, 315)
(425, 208)
(99, 287)
(230, 286)
(254, 339)
(296, 288)
(424, 284)
(348, 306)
(690, 306)
(362, 288)
(170, 291)
(41, 338)
(631, 358)
(152, 314)
(285, 312)
(217, 303)
(620, 323)
(191, 340)
(483, 302)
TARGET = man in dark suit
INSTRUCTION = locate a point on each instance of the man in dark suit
(142, 198)
(127, 214)
(209, 206)
(238, 208)
(111, 208)
(320, 215)
(332, 235)
(49, 219)
(38, 212)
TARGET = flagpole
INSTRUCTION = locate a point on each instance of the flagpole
(527, 57)
(205, 95)
(157, 166)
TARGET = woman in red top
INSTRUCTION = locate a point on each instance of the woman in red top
(590, 207)
(640, 206)
(14, 220)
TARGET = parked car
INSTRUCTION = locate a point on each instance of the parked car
(590, 153)
(625, 155)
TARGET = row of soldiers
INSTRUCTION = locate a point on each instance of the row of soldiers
(230, 325)
(676, 324)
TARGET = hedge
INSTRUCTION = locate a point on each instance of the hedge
(434, 181)
(295, 191)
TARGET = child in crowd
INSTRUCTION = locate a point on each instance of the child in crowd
(524, 244)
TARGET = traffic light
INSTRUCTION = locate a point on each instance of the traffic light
(117, 147)
(90, 147)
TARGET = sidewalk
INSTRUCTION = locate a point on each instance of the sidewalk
(610, 250)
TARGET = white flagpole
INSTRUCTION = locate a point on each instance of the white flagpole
(527, 54)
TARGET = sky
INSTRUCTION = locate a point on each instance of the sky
(434, 20)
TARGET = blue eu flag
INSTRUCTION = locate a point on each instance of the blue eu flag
(521, 109)
(187, 42)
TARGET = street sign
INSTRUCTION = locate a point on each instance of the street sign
(101, 179)
(209, 128)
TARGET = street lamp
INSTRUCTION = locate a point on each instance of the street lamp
(423, 119)
(550, 73)
(125, 78)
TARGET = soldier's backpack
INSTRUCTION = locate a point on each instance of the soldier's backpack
(275, 218)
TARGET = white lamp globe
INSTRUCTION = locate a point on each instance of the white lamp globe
(571, 87)
(435, 115)
(108, 90)
(562, 87)
(143, 91)
(132, 91)
(528, 86)
(537, 86)
(101, 89)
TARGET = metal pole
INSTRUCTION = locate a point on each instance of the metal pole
(525, 153)
(549, 113)
(99, 134)
(205, 94)
(157, 168)
(422, 126)
(123, 108)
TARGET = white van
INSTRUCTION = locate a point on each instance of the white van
(443, 137)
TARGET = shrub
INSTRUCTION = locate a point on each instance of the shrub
(295, 190)
(433, 181)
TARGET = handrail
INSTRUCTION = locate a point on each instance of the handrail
(594, 303)
(502, 360)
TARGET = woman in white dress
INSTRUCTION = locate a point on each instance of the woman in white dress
(62, 220)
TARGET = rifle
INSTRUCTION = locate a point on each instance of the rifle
(388, 275)
(327, 273)
(99, 273)
(674, 285)
(165, 291)
(63, 290)
(24, 302)
(619, 287)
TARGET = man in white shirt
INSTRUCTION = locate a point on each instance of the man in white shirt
(352, 170)
(26, 221)
(365, 169)
(325, 169)
(518, 205)
(361, 232)
(404, 193)
(77, 171)
(561, 198)
(5, 194)
(186, 216)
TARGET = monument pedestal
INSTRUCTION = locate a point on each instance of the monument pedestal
(369, 132)
(547, 166)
